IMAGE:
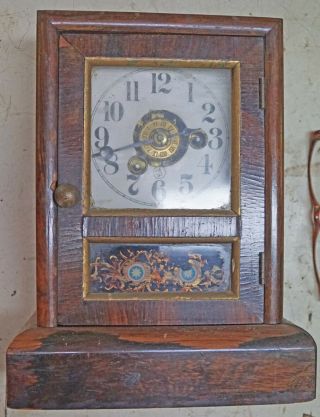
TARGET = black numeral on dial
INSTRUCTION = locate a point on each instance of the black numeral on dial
(133, 188)
(186, 186)
(209, 108)
(132, 91)
(206, 164)
(164, 78)
(111, 167)
(113, 111)
(190, 92)
(101, 133)
(158, 190)
(105, 152)
(216, 142)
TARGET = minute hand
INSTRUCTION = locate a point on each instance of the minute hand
(139, 143)
(106, 152)
(134, 145)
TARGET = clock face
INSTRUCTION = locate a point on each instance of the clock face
(160, 138)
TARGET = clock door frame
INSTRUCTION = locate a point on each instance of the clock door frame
(56, 30)
(156, 63)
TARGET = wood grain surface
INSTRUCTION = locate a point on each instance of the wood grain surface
(46, 171)
(274, 210)
(257, 44)
(249, 308)
(158, 226)
(134, 367)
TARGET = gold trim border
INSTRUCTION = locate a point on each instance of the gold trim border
(235, 134)
(232, 294)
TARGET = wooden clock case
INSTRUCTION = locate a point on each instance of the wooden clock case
(154, 353)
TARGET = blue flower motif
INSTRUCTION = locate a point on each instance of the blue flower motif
(136, 272)
(188, 275)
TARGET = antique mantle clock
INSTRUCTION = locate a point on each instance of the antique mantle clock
(159, 217)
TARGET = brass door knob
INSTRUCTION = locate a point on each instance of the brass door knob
(67, 195)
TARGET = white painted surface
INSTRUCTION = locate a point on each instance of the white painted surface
(183, 178)
(17, 161)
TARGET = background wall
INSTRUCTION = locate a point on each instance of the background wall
(17, 162)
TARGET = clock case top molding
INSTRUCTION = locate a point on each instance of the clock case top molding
(262, 355)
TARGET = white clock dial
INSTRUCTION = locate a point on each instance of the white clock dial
(160, 138)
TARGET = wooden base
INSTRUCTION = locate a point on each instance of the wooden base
(178, 366)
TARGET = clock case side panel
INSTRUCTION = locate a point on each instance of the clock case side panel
(46, 170)
(274, 212)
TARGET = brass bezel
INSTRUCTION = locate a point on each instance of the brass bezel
(234, 134)
(233, 294)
